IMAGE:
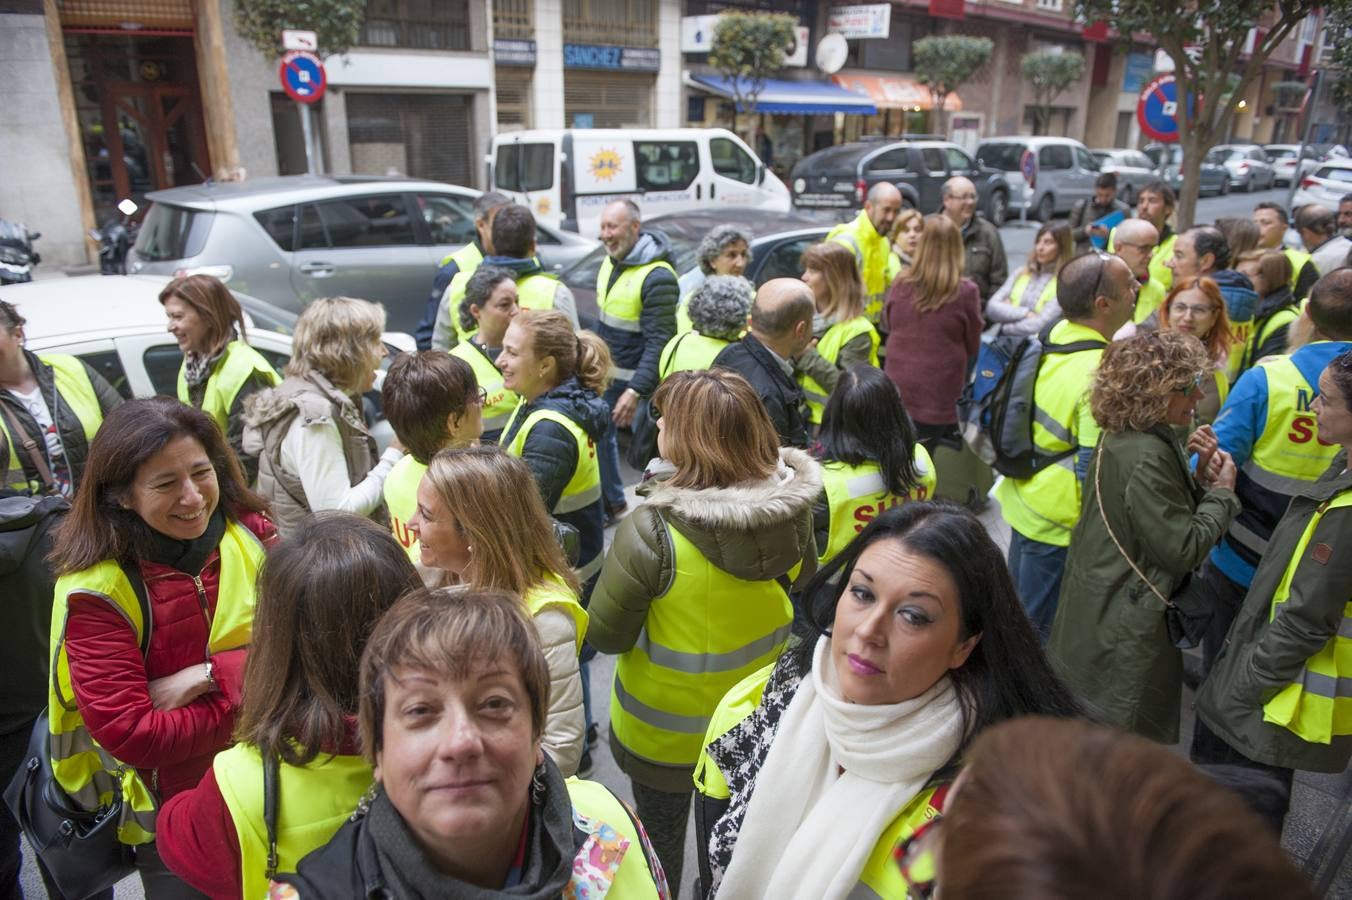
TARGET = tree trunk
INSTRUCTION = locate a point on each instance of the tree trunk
(753, 116)
(1194, 148)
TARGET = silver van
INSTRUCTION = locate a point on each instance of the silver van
(1065, 172)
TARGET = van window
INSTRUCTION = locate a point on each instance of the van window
(172, 232)
(1053, 157)
(524, 167)
(1005, 157)
(280, 224)
(731, 161)
(666, 165)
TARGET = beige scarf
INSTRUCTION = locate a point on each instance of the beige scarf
(810, 827)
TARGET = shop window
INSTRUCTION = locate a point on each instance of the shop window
(607, 99)
(666, 165)
(731, 161)
(524, 167)
(416, 24)
(420, 135)
(513, 89)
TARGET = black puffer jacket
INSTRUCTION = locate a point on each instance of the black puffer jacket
(551, 453)
(26, 583)
(641, 350)
(71, 431)
(782, 396)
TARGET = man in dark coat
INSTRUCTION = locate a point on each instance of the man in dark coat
(1087, 211)
(985, 260)
(779, 330)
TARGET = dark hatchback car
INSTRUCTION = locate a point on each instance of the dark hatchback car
(838, 178)
(777, 244)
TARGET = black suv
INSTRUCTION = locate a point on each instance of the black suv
(840, 177)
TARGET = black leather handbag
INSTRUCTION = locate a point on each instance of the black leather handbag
(79, 849)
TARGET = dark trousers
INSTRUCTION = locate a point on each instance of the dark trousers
(665, 817)
(1037, 569)
(1210, 749)
(1226, 598)
(608, 454)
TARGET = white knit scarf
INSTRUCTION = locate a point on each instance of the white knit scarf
(810, 827)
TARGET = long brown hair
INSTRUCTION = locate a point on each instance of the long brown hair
(844, 289)
(581, 353)
(212, 300)
(320, 592)
(98, 527)
(937, 269)
(718, 432)
(499, 510)
(1065, 247)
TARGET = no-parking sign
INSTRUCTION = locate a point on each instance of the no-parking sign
(1157, 110)
(303, 76)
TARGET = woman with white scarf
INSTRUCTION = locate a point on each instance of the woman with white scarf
(816, 767)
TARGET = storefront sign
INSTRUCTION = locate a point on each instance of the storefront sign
(861, 22)
(600, 56)
(513, 53)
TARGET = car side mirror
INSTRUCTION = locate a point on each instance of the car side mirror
(34, 235)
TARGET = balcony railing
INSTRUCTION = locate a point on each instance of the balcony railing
(626, 23)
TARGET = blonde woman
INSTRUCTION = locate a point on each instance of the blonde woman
(480, 520)
(1026, 302)
(314, 450)
(845, 337)
(933, 318)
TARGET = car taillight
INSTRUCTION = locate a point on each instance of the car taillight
(1309, 182)
(860, 190)
(1243, 167)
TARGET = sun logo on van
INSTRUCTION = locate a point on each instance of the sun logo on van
(605, 165)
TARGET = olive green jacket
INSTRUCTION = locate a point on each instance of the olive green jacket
(1109, 640)
(1261, 657)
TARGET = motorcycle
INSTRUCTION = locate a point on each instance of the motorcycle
(115, 237)
(17, 256)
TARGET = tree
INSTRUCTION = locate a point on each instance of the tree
(1049, 74)
(336, 23)
(1207, 40)
(747, 49)
(943, 63)
(1338, 35)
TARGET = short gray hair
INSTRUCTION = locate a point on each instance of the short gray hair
(719, 238)
(720, 306)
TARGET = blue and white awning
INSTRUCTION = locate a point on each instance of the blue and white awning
(781, 96)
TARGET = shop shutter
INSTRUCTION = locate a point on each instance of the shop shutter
(115, 15)
(513, 98)
(611, 99)
(420, 135)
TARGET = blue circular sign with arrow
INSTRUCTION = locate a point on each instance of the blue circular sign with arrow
(303, 76)
(1157, 110)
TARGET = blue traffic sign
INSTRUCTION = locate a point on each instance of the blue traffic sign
(303, 76)
(1157, 110)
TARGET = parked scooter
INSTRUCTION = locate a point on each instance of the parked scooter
(17, 256)
(115, 237)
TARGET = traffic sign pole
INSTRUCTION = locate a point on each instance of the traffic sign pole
(304, 80)
(312, 162)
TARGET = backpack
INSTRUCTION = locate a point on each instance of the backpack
(995, 411)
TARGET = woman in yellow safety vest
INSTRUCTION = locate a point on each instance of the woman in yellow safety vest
(480, 520)
(694, 592)
(718, 311)
(50, 408)
(319, 595)
(1277, 699)
(1278, 308)
(454, 690)
(845, 336)
(816, 767)
(152, 617)
(487, 309)
(725, 250)
(220, 370)
(1027, 301)
(871, 459)
(1195, 306)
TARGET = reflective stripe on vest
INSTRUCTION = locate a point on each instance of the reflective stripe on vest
(239, 364)
(872, 256)
(1021, 285)
(87, 772)
(71, 380)
(708, 631)
(856, 495)
(502, 402)
(401, 499)
(614, 860)
(1317, 706)
(554, 593)
(689, 351)
(313, 802)
(537, 291)
(1045, 507)
(620, 305)
(584, 487)
(828, 348)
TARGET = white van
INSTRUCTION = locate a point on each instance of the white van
(567, 176)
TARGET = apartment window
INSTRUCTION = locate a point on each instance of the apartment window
(625, 23)
(514, 20)
(422, 135)
(416, 24)
(1050, 5)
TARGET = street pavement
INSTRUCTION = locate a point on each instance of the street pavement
(1317, 829)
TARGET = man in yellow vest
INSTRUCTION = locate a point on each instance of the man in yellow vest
(1272, 220)
(514, 249)
(1155, 204)
(1268, 426)
(866, 236)
(1318, 227)
(466, 259)
(636, 297)
(1134, 242)
(1096, 293)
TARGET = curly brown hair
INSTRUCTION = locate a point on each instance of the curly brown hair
(1136, 379)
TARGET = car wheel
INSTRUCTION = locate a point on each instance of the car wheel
(997, 209)
(1225, 187)
(1044, 209)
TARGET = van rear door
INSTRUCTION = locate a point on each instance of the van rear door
(527, 171)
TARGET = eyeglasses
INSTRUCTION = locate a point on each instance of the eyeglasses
(482, 398)
(1194, 385)
(1193, 309)
(915, 858)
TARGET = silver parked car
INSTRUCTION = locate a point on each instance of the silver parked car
(1065, 172)
(290, 240)
(1247, 165)
(1134, 170)
(1213, 179)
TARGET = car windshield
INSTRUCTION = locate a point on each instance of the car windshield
(1005, 157)
(172, 232)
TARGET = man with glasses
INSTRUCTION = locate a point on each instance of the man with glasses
(1135, 242)
(1097, 292)
(985, 252)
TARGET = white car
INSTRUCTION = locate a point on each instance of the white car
(1283, 159)
(1326, 185)
(115, 324)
